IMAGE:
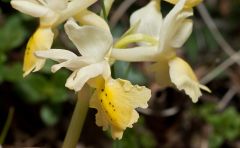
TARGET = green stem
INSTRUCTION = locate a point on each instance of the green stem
(135, 38)
(104, 13)
(78, 118)
(7, 125)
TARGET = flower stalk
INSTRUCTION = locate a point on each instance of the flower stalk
(7, 125)
(78, 118)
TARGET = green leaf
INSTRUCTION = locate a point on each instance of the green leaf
(12, 34)
(192, 48)
(59, 92)
(1, 73)
(226, 124)
(32, 88)
(3, 58)
(12, 73)
(49, 115)
(215, 141)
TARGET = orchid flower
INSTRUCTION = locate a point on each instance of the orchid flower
(51, 14)
(114, 99)
(169, 34)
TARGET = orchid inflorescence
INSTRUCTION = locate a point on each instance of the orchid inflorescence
(155, 38)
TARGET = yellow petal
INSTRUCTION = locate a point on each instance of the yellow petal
(101, 118)
(188, 4)
(183, 77)
(116, 103)
(135, 38)
(41, 40)
(161, 72)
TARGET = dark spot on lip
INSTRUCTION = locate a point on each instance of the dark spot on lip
(105, 94)
(113, 106)
(102, 90)
(109, 103)
(114, 110)
(101, 100)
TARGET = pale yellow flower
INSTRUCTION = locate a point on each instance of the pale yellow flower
(51, 13)
(115, 100)
(170, 33)
(41, 40)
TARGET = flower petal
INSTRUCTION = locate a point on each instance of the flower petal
(161, 72)
(183, 77)
(73, 64)
(143, 53)
(57, 5)
(137, 96)
(74, 7)
(133, 29)
(172, 23)
(81, 76)
(87, 17)
(30, 8)
(41, 40)
(182, 34)
(101, 119)
(90, 41)
(118, 100)
(150, 19)
(59, 55)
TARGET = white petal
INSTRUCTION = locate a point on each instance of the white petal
(136, 54)
(74, 7)
(81, 76)
(30, 8)
(133, 29)
(171, 24)
(73, 64)
(87, 17)
(150, 19)
(57, 5)
(58, 55)
(90, 41)
(182, 34)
